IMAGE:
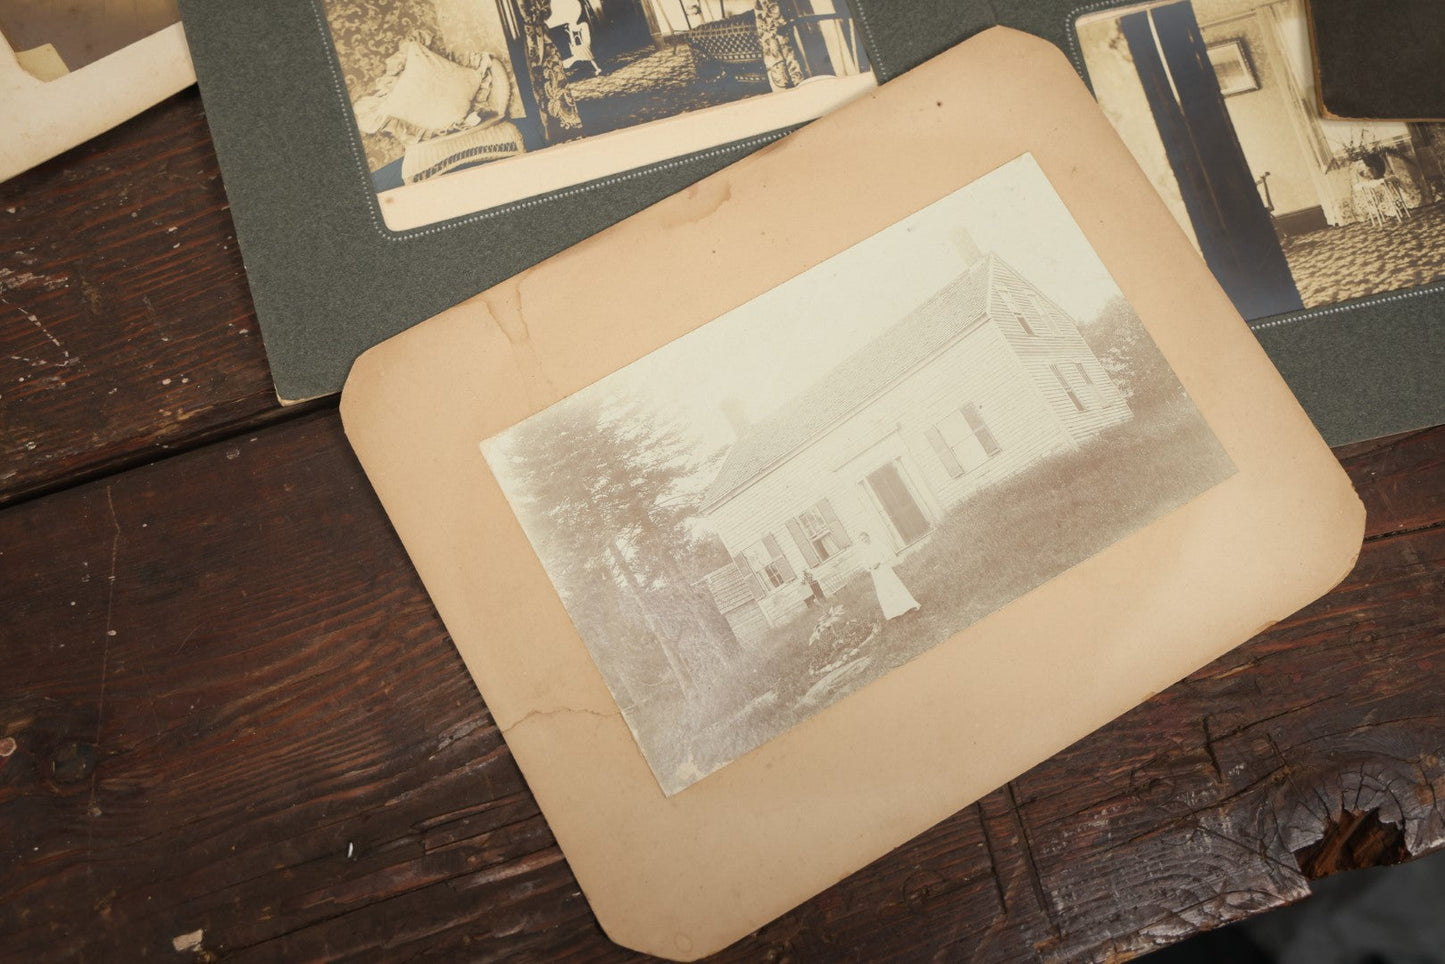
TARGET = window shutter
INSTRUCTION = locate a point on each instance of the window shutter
(1037, 311)
(755, 585)
(1068, 389)
(1091, 394)
(834, 523)
(776, 552)
(945, 454)
(980, 430)
(804, 546)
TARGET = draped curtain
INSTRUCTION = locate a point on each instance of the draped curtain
(560, 120)
(780, 57)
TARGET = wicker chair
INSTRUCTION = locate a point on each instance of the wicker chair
(732, 44)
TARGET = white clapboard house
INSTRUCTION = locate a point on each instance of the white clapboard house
(982, 381)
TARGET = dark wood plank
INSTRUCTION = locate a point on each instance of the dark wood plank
(233, 711)
(1400, 479)
(127, 326)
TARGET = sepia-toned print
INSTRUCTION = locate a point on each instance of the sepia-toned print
(1216, 99)
(52, 38)
(444, 86)
(788, 502)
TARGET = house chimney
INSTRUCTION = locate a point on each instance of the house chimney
(735, 410)
(965, 248)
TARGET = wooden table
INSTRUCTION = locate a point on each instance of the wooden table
(232, 726)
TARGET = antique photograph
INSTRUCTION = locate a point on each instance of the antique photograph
(443, 87)
(1216, 99)
(52, 38)
(783, 505)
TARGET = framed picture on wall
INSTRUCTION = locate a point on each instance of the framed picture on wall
(1231, 65)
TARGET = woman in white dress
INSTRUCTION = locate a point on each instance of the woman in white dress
(893, 596)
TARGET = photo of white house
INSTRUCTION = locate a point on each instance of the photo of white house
(983, 380)
(795, 498)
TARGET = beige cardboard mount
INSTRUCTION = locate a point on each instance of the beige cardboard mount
(684, 876)
(43, 118)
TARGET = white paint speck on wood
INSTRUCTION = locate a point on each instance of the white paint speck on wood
(188, 942)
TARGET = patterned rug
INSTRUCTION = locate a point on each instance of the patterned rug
(1356, 260)
(667, 69)
(663, 83)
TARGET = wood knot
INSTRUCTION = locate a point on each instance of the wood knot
(1353, 842)
(72, 762)
(921, 887)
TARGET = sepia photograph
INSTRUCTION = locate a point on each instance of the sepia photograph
(790, 501)
(52, 38)
(1216, 99)
(442, 87)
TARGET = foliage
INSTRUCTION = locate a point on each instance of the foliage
(835, 636)
(601, 487)
(1131, 358)
(1368, 150)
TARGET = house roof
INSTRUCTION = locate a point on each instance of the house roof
(922, 333)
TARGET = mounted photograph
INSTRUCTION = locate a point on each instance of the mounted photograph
(72, 69)
(1216, 100)
(51, 39)
(507, 99)
(809, 491)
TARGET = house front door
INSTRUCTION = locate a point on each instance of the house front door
(897, 501)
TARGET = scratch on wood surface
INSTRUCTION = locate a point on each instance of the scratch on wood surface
(93, 810)
(11, 279)
(186, 640)
(1209, 749)
(1026, 851)
(992, 859)
(461, 730)
(67, 359)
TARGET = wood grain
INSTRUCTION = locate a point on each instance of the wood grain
(127, 326)
(235, 712)
(232, 726)
(1401, 480)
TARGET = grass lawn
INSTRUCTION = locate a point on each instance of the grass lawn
(995, 547)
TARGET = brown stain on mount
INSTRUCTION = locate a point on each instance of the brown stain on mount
(504, 307)
(697, 203)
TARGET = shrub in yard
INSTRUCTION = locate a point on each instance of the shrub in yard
(835, 635)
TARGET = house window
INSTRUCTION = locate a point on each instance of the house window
(819, 533)
(1012, 305)
(1068, 389)
(1095, 397)
(963, 441)
(765, 563)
